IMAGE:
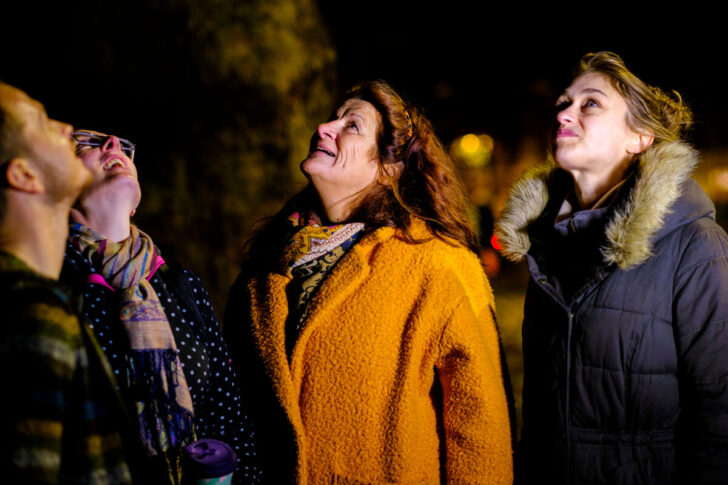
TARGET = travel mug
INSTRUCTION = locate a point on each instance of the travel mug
(208, 462)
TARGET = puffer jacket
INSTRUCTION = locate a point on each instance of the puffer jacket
(625, 334)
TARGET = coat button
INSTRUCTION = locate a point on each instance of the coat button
(543, 281)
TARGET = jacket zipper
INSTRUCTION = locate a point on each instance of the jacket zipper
(567, 403)
(566, 436)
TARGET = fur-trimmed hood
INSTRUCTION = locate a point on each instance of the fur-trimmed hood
(632, 230)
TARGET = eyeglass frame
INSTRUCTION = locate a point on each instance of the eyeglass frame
(104, 138)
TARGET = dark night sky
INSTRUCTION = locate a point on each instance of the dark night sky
(504, 67)
(472, 67)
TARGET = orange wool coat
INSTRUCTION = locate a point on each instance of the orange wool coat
(388, 321)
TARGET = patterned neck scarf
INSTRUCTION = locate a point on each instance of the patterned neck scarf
(311, 240)
(155, 379)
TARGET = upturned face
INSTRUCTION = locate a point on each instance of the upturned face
(48, 143)
(593, 135)
(344, 158)
(114, 173)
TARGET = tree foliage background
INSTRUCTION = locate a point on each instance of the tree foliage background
(221, 98)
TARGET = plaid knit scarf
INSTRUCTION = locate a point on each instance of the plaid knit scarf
(155, 379)
(311, 240)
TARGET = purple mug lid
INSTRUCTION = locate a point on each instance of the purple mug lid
(208, 458)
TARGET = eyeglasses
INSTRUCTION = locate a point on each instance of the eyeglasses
(85, 138)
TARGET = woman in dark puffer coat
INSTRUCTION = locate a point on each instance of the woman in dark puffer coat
(625, 335)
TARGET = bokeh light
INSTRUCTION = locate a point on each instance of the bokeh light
(472, 150)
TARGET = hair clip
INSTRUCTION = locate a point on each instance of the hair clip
(410, 126)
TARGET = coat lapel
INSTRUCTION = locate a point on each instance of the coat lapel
(269, 310)
(344, 278)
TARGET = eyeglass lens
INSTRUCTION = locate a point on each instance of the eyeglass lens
(90, 139)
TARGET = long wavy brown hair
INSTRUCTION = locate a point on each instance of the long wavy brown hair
(424, 183)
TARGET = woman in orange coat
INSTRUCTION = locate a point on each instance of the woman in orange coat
(362, 322)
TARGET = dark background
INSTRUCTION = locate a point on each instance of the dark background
(502, 67)
(221, 96)
(132, 66)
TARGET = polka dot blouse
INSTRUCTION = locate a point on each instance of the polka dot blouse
(219, 410)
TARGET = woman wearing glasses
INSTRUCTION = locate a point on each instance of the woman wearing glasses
(152, 318)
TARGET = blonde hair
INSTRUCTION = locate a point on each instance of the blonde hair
(650, 110)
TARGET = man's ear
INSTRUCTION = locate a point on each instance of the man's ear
(20, 175)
